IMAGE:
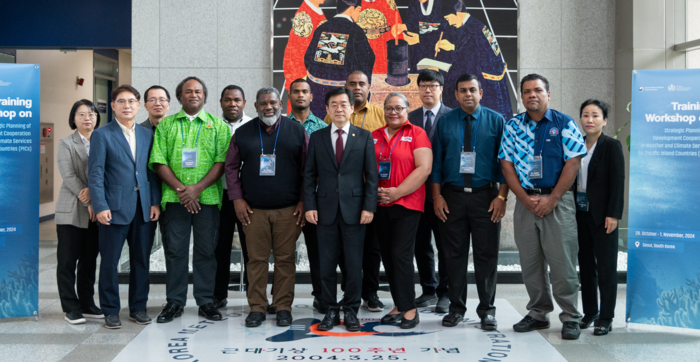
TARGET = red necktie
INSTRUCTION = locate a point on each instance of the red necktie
(339, 146)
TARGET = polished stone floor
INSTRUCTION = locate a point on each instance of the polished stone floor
(52, 339)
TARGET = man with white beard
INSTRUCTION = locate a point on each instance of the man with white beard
(264, 172)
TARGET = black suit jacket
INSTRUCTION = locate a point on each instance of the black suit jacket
(350, 188)
(605, 185)
(416, 118)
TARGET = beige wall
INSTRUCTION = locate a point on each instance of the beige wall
(58, 93)
(125, 67)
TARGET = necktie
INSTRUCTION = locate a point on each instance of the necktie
(339, 146)
(468, 146)
(428, 122)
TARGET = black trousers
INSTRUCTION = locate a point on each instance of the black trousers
(228, 222)
(425, 256)
(469, 216)
(111, 243)
(396, 233)
(311, 239)
(371, 259)
(81, 246)
(179, 225)
(335, 241)
(597, 260)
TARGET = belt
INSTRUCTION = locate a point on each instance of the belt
(471, 190)
(332, 83)
(544, 191)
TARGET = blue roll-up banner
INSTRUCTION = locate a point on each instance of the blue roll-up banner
(663, 269)
(19, 190)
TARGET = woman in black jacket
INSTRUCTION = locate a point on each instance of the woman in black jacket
(600, 188)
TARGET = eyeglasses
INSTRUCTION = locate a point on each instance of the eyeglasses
(341, 105)
(87, 115)
(432, 87)
(122, 102)
(158, 100)
(395, 109)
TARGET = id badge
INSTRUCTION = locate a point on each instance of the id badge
(467, 162)
(536, 168)
(189, 157)
(384, 170)
(267, 165)
(581, 201)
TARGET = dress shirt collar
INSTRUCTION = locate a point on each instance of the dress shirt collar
(344, 16)
(313, 7)
(82, 138)
(240, 120)
(547, 116)
(475, 115)
(191, 118)
(124, 129)
(435, 110)
(346, 128)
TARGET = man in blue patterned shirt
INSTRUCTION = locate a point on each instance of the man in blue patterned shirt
(540, 154)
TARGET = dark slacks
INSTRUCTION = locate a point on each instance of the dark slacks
(340, 239)
(396, 232)
(469, 216)
(371, 259)
(425, 256)
(597, 260)
(311, 239)
(81, 246)
(111, 243)
(179, 225)
(228, 222)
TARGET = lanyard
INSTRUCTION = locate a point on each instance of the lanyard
(392, 147)
(278, 134)
(544, 134)
(182, 133)
(475, 132)
(363, 120)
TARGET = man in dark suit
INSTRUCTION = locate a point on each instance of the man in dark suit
(126, 198)
(341, 162)
(430, 85)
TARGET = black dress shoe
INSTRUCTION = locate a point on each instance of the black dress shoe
(210, 312)
(220, 303)
(426, 300)
(391, 318)
(270, 309)
(170, 311)
(528, 324)
(140, 317)
(409, 323)
(570, 330)
(452, 319)
(284, 318)
(351, 323)
(489, 323)
(331, 319)
(602, 327)
(112, 322)
(587, 320)
(254, 319)
(443, 305)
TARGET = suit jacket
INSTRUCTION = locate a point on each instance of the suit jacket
(115, 178)
(72, 162)
(416, 118)
(350, 188)
(147, 123)
(605, 185)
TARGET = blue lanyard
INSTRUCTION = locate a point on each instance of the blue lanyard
(544, 134)
(182, 134)
(262, 151)
(475, 132)
(392, 147)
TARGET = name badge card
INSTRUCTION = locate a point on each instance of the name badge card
(467, 162)
(536, 168)
(267, 165)
(189, 157)
(384, 169)
(581, 201)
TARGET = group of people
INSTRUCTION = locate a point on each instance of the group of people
(366, 185)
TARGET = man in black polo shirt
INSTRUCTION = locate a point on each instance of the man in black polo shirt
(270, 154)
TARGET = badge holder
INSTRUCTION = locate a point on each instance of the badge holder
(385, 169)
(189, 157)
(535, 168)
(581, 201)
(268, 164)
(467, 162)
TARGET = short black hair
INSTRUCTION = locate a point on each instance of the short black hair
(74, 110)
(600, 104)
(467, 78)
(125, 88)
(357, 71)
(232, 87)
(534, 76)
(299, 80)
(429, 75)
(338, 91)
(342, 5)
(178, 90)
(145, 94)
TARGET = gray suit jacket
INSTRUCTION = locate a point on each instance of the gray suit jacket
(416, 118)
(72, 162)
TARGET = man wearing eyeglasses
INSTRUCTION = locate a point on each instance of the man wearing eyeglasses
(126, 198)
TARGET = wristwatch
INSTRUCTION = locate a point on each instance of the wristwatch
(505, 199)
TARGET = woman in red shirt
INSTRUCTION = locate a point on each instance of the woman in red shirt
(404, 159)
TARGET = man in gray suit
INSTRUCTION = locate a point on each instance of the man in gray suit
(430, 84)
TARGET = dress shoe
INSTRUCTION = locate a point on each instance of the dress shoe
(351, 323)
(489, 323)
(452, 319)
(443, 305)
(112, 322)
(284, 318)
(140, 317)
(426, 300)
(210, 312)
(220, 303)
(570, 330)
(254, 319)
(373, 304)
(75, 317)
(270, 309)
(410, 323)
(602, 327)
(331, 319)
(92, 312)
(391, 318)
(170, 312)
(587, 320)
(528, 324)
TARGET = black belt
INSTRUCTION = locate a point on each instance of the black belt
(543, 191)
(470, 190)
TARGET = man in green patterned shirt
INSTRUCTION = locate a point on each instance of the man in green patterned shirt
(189, 151)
